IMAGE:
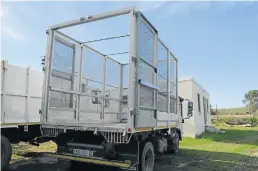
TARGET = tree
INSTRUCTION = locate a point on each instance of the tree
(251, 101)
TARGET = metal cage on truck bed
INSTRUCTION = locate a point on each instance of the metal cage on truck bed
(87, 89)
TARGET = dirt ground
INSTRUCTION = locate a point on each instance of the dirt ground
(178, 162)
(235, 150)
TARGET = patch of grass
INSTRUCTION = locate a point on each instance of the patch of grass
(27, 151)
(236, 149)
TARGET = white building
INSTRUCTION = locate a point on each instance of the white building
(189, 89)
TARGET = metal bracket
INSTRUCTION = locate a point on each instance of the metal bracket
(134, 59)
(132, 112)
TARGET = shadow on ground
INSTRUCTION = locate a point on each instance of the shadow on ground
(199, 160)
(186, 159)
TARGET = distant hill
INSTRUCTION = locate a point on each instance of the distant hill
(233, 111)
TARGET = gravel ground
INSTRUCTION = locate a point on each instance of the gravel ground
(178, 162)
(52, 164)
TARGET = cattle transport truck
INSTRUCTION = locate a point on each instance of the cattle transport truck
(101, 111)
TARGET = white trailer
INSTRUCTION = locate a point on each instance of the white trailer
(102, 111)
(21, 91)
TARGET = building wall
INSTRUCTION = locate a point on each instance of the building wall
(188, 89)
(185, 91)
(199, 115)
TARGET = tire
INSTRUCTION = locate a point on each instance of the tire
(147, 157)
(6, 152)
(173, 144)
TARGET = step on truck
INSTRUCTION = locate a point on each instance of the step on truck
(117, 109)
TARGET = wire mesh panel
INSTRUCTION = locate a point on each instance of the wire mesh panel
(162, 100)
(146, 41)
(173, 84)
(91, 86)
(146, 49)
(112, 85)
(62, 74)
(162, 78)
(63, 79)
(146, 73)
(92, 65)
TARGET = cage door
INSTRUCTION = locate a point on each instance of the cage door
(147, 73)
(62, 96)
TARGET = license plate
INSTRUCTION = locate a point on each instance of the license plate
(86, 153)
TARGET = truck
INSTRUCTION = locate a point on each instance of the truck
(20, 103)
(101, 111)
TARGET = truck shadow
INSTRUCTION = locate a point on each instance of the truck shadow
(188, 159)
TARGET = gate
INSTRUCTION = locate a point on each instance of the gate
(147, 73)
(62, 96)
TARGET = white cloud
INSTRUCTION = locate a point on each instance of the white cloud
(11, 32)
(7, 28)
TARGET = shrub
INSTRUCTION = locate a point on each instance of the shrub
(236, 121)
(253, 120)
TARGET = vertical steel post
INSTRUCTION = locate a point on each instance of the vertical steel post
(79, 86)
(48, 68)
(168, 81)
(103, 89)
(121, 91)
(3, 101)
(176, 69)
(72, 96)
(133, 74)
(28, 95)
(155, 59)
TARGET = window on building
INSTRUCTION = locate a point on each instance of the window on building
(199, 102)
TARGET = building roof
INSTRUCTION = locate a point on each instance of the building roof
(190, 78)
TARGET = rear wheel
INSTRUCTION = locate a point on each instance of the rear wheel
(147, 157)
(6, 152)
(173, 144)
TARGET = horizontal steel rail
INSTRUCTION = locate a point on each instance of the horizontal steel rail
(91, 18)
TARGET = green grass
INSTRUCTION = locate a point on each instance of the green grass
(237, 149)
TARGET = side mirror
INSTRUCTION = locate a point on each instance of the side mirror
(189, 109)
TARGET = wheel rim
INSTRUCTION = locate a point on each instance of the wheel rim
(148, 160)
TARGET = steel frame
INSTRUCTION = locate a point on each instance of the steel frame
(133, 85)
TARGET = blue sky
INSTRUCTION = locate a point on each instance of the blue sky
(215, 42)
